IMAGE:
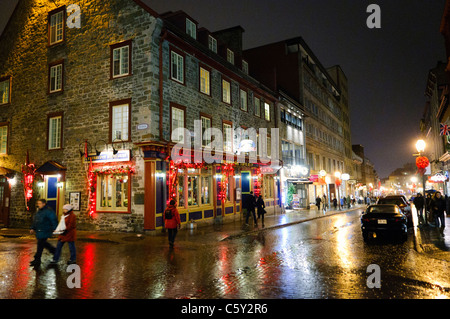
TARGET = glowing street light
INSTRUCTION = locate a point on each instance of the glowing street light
(420, 146)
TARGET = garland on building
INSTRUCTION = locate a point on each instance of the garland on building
(172, 181)
(227, 170)
(28, 171)
(105, 170)
(257, 182)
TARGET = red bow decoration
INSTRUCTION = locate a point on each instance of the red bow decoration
(422, 162)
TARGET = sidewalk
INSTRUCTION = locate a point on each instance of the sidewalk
(210, 233)
(434, 241)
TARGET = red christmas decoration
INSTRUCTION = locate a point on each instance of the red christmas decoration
(29, 171)
(422, 162)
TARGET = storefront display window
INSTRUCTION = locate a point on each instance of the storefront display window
(112, 192)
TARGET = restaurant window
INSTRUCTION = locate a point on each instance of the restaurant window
(55, 83)
(206, 134)
(177, 122)
(56, 26)
(120, 120)
(5, 90)
(113, 191)
(192, 187)
(204, 81)
(55, 132)
(121, 59)
(177, 67)
(243, 96)
(181, 188)
(206, 188)
(226, 91)
(3, 139)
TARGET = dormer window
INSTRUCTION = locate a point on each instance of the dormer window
(245, 66)
(191, 28)
(230, 56)
(212, 44)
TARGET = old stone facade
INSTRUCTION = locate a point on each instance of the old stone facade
(83, 102)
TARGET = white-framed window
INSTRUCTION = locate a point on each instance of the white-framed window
(112, 192)
(206, 135)
(243, 100)
(194, 187)
(226, 91)
(267, 111)
(56, 74)
(191, 28)
(230, 56)
(206, 188)
(3, 139)
(54, 132)
(177, 122)
(177, 67)
(212, 44)
(205, 86)
(120, 122)
(227, 137)
(5, 87)
(56, 27)
(245, 66)
(257, 103)
(121, 61)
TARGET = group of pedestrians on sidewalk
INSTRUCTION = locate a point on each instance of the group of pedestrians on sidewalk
(252, 202)
(436, 208)
(45, 224)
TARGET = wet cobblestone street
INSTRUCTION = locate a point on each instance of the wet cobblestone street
(321, 258)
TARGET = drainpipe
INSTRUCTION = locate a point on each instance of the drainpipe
(161, 79)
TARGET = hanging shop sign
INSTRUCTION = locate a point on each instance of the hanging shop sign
(107, 157)
(438, 178)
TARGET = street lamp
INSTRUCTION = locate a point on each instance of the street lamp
(420, 146)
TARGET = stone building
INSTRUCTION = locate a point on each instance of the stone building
(90, 95)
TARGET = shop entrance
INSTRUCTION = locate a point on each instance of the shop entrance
(4, 202)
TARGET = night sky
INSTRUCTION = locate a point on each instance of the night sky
(386, 68)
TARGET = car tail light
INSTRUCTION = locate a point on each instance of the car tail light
(366, 219)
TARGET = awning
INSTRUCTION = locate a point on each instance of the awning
(5, 171)
(52, 168)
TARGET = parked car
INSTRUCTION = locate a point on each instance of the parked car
(383, 219)
(401, 202)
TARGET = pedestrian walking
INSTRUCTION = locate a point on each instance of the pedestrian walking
(172, 221)
(349, 203)
(335, 203)
(428, 213)
(419, 202)
(250, 204)
(318, 200)
(260, 205)
(67, 229)
(324, 203)
(438, 208)
(44, 224)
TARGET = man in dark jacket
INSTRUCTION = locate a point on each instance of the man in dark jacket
(250, 204)
(45, 222)
(419, 202)
(438, 208)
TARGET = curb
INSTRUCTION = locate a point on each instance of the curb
(286, 225)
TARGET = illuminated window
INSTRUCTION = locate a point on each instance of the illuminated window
(191, 28)
(227, 137)
(112, 192)
(192, 189)
(5, 88)
(56, 26)
(54, 132)
(230, 56)
(177, 123)
(267, 111)
(206, 132)
(177, 67)
(121, 59)
(212, 44)
(56, 77)
(204, 81)
(3, 139)
(226, 91)
(243, 95)
(206, 189)
(120, 120)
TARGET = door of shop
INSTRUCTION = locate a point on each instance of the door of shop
(4, 202)
(51, 192)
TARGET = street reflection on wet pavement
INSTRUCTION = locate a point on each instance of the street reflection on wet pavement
(323, 258)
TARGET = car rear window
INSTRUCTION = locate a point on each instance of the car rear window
(393, 201)
(382, 209)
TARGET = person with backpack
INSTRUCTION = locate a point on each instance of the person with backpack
(172, 221)
(260, 205)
